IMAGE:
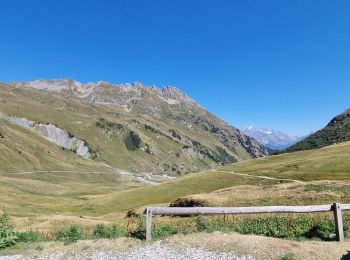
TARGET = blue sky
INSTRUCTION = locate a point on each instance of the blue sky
(280, 64)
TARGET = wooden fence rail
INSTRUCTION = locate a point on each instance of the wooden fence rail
(186, 211)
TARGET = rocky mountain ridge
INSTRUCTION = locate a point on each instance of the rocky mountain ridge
(91, 90)
(132, 126)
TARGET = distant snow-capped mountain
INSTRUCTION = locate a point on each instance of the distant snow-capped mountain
(271, 138)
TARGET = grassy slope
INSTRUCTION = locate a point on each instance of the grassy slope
(22, 150)
(324, 164)
(337, 131)
(26, 191)
(37, 194)
(328, 163)
(98, 195)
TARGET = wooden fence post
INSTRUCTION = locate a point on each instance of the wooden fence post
(149, 224)
(186, 211)
(338, 218)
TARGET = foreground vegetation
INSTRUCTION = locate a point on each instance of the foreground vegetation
(301, 227)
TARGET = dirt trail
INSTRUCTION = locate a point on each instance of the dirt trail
(261, 176)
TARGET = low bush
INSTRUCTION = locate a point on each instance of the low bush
(160, 231)
(29, 236)
(271, 227)
(204, 224)
(118, 231)
(288, 256)
(163, 231)
(105, 231)
(323, 230)
(140, 231)
(71, 234)
(101, 231)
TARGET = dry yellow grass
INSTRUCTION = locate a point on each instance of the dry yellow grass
(277, 194)
(265, 247)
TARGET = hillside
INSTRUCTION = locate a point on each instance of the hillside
(130, 127)
(307, 166)
(336, 131)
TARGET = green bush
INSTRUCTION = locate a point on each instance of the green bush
(205, 225)
(70, 234)
(288, 256)
(140, 231)
(271, 227)
(163, 231)
(101, 231)
(28, 236)
(132, 141)
(104, 231)
(7, 234)
(158, 231)
(118, 231)
(323, 230)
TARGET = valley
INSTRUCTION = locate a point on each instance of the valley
(98, 154)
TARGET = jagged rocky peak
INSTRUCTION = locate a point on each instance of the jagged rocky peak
(58, 85)
(175, 94)
(169, 94)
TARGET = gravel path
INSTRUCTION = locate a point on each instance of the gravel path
(155, 251)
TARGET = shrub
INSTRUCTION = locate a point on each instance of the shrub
(323, 230)
(102, 231)
(106, 124)
(205, 225)
(118, 231)
(271, 227)
(132, 141)
(110, 232)
(70, 234)
(7, 235)
(28, 236)
(140, 231)
(288, 256)
(164, 231)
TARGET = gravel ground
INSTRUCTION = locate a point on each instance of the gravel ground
(155, 251)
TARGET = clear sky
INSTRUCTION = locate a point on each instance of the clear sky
(280, 64)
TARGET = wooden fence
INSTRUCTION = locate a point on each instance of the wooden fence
(187, 211)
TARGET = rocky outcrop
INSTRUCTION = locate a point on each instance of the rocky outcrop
(52, 133)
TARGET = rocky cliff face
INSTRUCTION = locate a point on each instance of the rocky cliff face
(54, 134)
(131, 126)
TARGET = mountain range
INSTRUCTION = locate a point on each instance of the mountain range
(273, 139)
(131, 127)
